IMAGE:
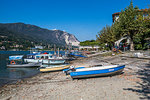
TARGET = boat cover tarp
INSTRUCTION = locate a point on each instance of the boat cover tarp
(15, 57)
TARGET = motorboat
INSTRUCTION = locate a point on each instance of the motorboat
(96, 71)
(17, 62)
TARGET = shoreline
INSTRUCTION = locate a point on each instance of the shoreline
(56, 85)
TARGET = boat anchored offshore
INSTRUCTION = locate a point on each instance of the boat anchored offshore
(50, 68)
(17, 62)
(96, 71)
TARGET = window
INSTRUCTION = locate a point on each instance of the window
(50, 56)
(46, 57)
(37, 57)
(42, 57)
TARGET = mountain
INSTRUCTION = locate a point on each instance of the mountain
(33, 32)
(10, 40)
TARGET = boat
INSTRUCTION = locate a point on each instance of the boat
(47, 68)
(24, 65)
(46, 59)
(68, 58)
(17, 62)
(77, 54)
(96, 71)
(31, 57)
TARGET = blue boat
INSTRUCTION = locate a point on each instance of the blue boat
(97, 71)
(77, 54)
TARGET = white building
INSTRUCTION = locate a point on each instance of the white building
(39, 47)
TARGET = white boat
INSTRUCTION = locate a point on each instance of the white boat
(46, 59)
(16, 62)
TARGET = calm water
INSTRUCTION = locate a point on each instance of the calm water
(9, 75)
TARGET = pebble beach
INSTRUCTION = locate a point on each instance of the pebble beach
(132, 84)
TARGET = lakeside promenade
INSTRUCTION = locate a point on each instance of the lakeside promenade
(132, 84)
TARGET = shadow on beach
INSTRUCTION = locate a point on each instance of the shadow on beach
(143, 87)
(105, 76)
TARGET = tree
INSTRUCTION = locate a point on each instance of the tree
(89, 43)
(130, 23)
(107, 36)
(127, 23)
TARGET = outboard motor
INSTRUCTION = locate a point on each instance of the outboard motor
(72, 68)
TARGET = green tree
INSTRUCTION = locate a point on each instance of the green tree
(89, 43)
(143, 31)
(127, 23)
(131, 23)
(107, 36)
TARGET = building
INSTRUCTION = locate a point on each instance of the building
(115, 16)
(39, 47)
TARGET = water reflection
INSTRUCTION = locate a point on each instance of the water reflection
(8, 75)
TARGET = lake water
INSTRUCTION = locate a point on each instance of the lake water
(9, 75)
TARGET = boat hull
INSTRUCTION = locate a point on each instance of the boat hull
(30, 65)
(51, 69)
(95, 73)
(58, 61)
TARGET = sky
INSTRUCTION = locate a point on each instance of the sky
(82, 18)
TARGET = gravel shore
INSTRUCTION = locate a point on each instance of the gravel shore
(132, 84)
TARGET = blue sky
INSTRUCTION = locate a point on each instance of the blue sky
(83, 18)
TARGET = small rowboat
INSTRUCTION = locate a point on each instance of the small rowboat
(97, 71)
(46, 68)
